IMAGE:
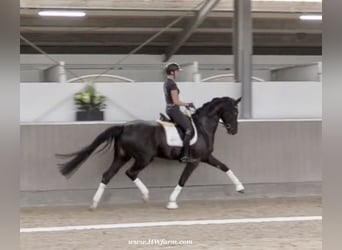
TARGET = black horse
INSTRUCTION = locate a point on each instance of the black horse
(144, 141)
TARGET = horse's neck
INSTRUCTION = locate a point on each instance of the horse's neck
(208, 127)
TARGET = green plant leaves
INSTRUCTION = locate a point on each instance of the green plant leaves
(88, 99)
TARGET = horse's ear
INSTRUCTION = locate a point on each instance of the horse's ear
(237, 101)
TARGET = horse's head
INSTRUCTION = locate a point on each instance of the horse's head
(229, 116)
(222, 108)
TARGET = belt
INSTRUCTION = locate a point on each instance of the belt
(170, 105)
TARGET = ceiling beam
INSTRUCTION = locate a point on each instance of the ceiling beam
(264, 40)
(140, 30)
(192, 25)
(176, 5)
(156, 50)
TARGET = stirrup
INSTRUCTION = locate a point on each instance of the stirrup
(186, 159)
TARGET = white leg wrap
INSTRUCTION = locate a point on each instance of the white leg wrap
(173, 197)
(99, 192)
(97, 196)
(175, 193)
(143, 189)
(235, 180)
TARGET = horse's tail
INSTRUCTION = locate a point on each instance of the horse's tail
(68, 168)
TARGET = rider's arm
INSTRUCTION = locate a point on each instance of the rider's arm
(175, 98)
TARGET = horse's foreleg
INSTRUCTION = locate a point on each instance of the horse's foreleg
(133, 172)
(218, 164)
(189, 168)
(118, 162)
(143, 189)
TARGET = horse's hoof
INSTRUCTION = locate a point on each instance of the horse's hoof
(92, 207)
(240, 188)
(172, 205)
(146, 198)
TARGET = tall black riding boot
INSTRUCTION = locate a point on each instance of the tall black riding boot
(186, 154)
(186, 147)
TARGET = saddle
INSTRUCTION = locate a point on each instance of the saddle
(174, 133)
(163, 118)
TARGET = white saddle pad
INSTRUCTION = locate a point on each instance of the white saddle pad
(172, 136)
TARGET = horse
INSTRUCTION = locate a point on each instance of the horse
(145, 140)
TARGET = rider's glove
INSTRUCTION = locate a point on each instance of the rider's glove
(191, 105)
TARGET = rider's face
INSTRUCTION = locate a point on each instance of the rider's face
(176, 72)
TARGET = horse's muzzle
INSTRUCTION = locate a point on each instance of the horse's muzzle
(230, 130)
(233, 132)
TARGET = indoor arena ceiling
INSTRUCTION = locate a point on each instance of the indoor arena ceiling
(118, 27)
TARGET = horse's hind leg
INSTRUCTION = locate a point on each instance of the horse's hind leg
(218, 164)
(189, 168)
(118, 162)
(133, 172)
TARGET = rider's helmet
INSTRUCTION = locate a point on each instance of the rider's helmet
(173, 66)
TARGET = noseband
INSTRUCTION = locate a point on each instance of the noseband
(227, 125)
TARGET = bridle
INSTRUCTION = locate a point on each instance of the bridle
(227, 125)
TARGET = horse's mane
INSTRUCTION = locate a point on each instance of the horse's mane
(206, 107)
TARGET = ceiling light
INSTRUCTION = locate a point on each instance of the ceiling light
(311, 17)
(62, 13)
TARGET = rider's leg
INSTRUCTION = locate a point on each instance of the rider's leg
(179, 118)
(186, 146)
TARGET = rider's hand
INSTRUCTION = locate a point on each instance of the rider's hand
(191, 105)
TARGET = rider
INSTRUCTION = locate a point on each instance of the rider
(173, 102)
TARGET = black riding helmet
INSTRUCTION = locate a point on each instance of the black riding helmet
(172, 67)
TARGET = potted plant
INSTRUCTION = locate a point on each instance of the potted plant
(89, 104)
